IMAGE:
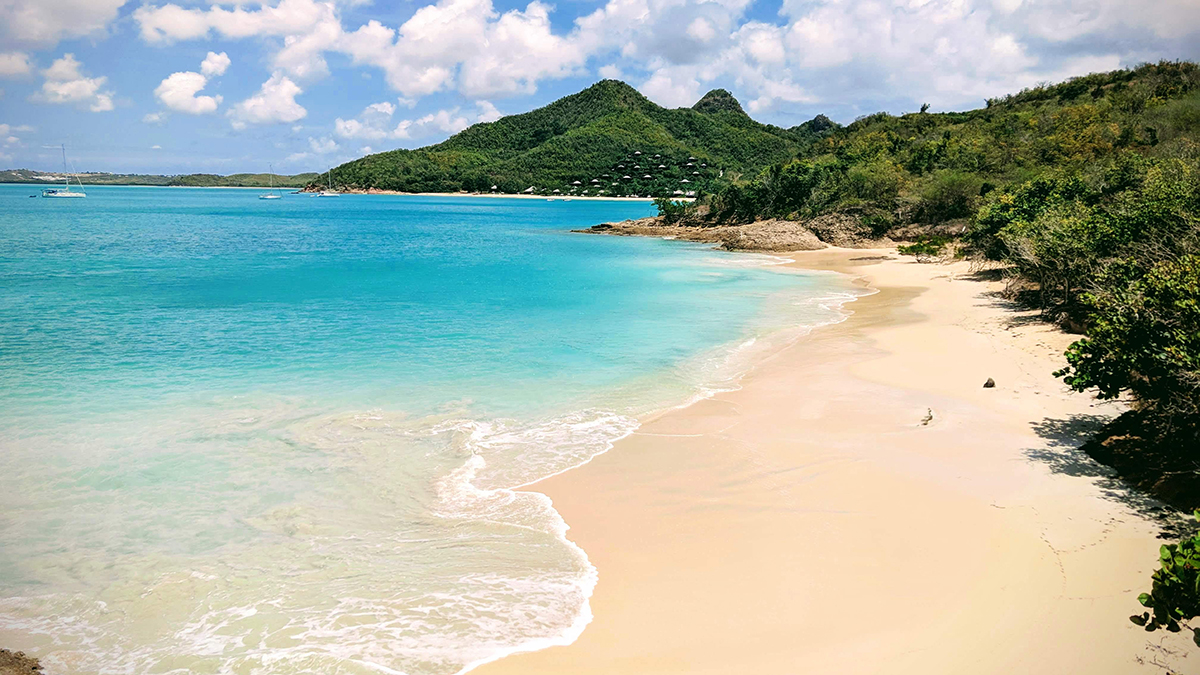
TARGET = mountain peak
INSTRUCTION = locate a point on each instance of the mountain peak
(718, 100)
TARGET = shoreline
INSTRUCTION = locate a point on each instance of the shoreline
(721, 530)
(392, 193)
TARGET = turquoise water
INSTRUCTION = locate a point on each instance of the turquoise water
(281, 436)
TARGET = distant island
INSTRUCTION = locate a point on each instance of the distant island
(185, 180)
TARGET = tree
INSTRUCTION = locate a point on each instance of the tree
(1144, 337)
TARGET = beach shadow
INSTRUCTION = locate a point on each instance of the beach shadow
(1063, 454)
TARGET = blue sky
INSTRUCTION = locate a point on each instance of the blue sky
(229, 86)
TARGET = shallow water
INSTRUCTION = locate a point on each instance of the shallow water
(244, 436)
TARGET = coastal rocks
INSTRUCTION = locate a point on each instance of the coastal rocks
(771, 235)
(14, 663)
(775, 236)
(846, 231)
(764, 235)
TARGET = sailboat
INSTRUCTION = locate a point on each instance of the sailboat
(65, 191)
(329, 192)
(275, 193)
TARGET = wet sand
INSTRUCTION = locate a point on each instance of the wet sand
(863, 505)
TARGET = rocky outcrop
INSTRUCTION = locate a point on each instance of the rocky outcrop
(771, 235)
(763, 235)
(847, 231)
(12, 663)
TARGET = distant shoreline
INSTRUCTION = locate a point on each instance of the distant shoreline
(372, 192)
(494, 195)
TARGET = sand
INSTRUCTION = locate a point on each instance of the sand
(863, 505)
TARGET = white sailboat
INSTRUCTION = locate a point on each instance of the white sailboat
(66, 190)
(275, 193)
(329, 192)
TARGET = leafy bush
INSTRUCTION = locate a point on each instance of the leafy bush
(948, 194)
(1144, 337)
(1174, 597)
(926, 248)
(670, 211)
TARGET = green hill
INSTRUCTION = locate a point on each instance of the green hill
(596, 138)
(941, 168)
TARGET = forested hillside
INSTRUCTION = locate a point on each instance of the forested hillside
(587, 141)
(1086, 192)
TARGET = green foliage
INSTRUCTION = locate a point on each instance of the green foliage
(925, 248)
(1174, 597)
(1144, 336)
(718, 100)
(670, 211)
(995, 166)
(948, 194)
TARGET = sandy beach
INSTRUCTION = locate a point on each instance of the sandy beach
(864, 505)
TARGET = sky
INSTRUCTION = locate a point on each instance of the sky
(226, 86)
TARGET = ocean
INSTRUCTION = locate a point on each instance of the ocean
(247, 436)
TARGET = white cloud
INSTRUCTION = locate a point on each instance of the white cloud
(42, 23)
(946, 52)
(155, 118)
(374, 123)
(14, 64)
(274, 102)
(178, 91)
(322, 146)
(672, 87)
(156, 147)
(611, 72)
(65, 83)
(8, 131)
(366, 150)
(214, 65)
(700, 29)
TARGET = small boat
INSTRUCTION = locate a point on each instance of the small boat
(275, 192)
(329, 192)
(66, 191)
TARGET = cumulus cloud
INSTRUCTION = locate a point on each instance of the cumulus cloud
(8, 133)
(375, 122)
(322, 146)
(66, 83)
(214, 65)
(946, 52)
(179, 90)
(275, 102)
(14, 64)
(154, 118)
(41, 23)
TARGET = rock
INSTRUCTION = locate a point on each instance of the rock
(18, 662)
(845, 230)
(989, 384)
(771, 235)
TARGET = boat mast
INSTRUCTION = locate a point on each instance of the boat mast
(66, 178)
